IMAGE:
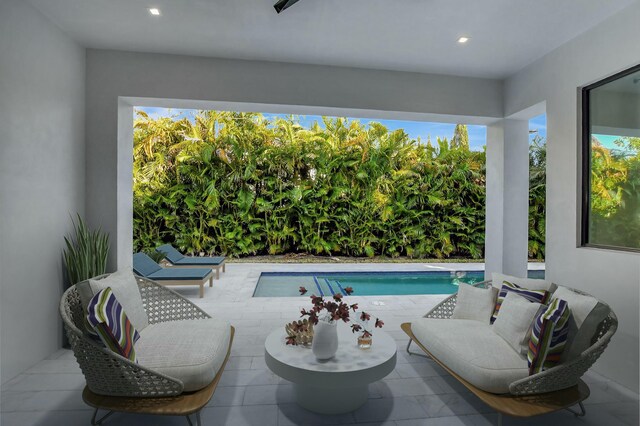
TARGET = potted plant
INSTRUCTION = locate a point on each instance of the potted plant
(325, 315)
(85, 253)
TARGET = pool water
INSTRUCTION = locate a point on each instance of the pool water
(286, 284)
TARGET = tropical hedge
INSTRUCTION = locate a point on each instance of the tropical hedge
(241, 184)
(615, 193)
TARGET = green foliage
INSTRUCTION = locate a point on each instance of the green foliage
(460, 137)
(537, 197)
(86, 251)
(156, 256)
(615, 193)
(238, 184)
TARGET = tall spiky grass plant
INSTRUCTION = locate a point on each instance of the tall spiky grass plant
(85, 255)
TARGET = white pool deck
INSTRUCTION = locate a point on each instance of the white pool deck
(416, 393)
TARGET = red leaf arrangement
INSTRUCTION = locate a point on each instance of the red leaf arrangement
(336, 309)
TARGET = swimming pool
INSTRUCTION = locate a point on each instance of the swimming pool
(286, 284)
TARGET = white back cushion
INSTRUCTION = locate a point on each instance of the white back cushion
(125, 288)
(587, 313)
(514, 321)
(529, 283)
(475, 303)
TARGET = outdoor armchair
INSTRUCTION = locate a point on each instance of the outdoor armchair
(182, 353)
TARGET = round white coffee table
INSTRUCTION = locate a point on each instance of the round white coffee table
(339, 385)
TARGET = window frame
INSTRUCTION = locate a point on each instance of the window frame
(586, 161)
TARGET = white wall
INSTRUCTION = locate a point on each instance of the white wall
(113, 75)
(41, 178)
(612, 276)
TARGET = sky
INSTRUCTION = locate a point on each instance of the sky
(415, 129)
(607, 140)
(538, 126)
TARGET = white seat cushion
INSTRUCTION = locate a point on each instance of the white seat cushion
(189, 350)
(473, 351)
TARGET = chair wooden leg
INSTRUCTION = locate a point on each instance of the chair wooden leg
(218, 273)
(224, 267)
(201, 290)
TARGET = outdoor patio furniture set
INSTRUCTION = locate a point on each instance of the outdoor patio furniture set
(527, 362)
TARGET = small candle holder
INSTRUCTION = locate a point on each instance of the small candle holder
(364, 342)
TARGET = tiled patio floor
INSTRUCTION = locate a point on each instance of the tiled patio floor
(416, 393)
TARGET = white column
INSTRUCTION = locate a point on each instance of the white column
(494, 220)
(507, 202)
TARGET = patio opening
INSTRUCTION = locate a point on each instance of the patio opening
(259, 185)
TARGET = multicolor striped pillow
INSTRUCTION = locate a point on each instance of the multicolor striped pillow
(548, 336)
(539, 296)
(108, 319)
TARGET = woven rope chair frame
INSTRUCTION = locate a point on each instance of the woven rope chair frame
(108, 373)
(560, 377)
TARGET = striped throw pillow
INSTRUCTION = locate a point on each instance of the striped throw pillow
(110, 322)
(539, 296)
(548, 336)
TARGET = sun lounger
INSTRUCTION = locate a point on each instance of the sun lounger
(145, 267)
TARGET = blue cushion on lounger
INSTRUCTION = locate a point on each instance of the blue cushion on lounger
(175, 257)
(187, 260)
(179, 274)
(143, 265)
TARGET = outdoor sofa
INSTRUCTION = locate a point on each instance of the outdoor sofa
(488, 365)
(181, 352)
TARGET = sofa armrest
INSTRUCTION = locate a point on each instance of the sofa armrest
(108, 373)
(163, 304)
(444, 309)
(567, 374)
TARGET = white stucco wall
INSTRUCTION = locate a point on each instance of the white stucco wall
(41, 175)
(113, 76)
(612, 276)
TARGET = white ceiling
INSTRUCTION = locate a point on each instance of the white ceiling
(405, 35)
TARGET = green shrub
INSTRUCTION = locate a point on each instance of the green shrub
(238, 184)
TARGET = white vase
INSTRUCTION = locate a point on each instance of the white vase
(325, 340)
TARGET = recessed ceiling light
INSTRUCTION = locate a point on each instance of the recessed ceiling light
(154, 11)
(463, 40)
